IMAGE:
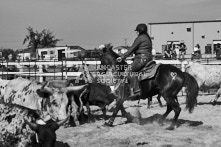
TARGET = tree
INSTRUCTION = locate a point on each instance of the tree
(6, 52)
(39, 40)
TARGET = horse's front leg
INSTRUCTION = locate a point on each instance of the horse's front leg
(119, 106)
(149, 102)
(218, 93)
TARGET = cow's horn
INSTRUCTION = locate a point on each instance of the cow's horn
(33, 126)
(76, 88)
(46, 88)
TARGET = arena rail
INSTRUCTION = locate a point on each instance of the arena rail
(39, 73)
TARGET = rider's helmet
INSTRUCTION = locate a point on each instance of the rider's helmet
(141, 28)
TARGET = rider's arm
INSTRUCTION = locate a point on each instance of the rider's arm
(131, 49)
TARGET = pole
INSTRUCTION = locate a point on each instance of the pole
(62, 66)
(35, 69)
(54, 69)
(193, 35)
(7, 70)
(2, 68)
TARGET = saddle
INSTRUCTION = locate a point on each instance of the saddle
(148, 71)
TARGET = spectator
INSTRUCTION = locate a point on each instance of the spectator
(11, 68)
(182, 50)
(177, 51)
(167, 52)
(196, 52)
(218, 51)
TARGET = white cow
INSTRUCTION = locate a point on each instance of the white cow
(3, 84)
(207, 76)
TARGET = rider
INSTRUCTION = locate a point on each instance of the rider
(142, 48)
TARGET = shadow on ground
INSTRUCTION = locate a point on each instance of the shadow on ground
(156, 117)
(209, 103)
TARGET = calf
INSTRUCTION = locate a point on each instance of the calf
(95, 94)
(15, 132)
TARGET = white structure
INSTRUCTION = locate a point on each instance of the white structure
(58, 53)
(205, 33)
(23, 56)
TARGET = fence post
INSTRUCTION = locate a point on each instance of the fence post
(35, 69)
(183, 70)
(62, 69)
(29, 69)
(54, 69)
(41, 71)
(66, 74)
(7, 70)
(2, 68)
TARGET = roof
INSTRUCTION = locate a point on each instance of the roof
(27, 50)
(177, 22)
(76, 47)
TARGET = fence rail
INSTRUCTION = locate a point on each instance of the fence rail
(59, 68)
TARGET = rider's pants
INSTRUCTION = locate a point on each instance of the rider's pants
(139, 62)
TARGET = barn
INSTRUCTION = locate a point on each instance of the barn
(205, 33)
(59, 52)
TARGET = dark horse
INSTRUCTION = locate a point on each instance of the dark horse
(167, 82)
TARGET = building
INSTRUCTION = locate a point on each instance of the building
(205, 33)
(24, 55)
(59, 52)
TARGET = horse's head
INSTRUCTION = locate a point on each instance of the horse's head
(109, 57)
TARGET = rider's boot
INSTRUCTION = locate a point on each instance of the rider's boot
(131, 92)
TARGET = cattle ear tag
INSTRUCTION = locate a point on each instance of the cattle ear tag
(173, 74)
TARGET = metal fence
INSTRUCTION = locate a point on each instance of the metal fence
(46, 70)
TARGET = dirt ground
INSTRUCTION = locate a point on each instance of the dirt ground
(198, 129)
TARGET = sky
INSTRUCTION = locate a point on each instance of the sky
(90, 23)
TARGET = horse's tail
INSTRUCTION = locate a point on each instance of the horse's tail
(192, 90)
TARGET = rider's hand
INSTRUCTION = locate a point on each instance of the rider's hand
(119, 59)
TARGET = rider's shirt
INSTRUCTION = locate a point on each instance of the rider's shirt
(142, 45)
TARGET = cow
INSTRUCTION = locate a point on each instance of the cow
(207, 76)
(18, 127)
(38, 96)
(74, 100)
(96, 94)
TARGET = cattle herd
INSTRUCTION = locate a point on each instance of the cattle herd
(31, 112)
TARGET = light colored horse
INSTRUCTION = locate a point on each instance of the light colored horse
(207, 76)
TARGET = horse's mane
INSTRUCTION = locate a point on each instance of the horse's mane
(109, 49)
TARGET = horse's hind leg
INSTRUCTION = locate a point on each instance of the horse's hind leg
(218, 93)
(149, 102)
(159, 101)
(176, 108)
(169, 109)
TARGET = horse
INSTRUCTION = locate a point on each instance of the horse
(167, 82)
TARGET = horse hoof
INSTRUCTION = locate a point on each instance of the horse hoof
(107, 124)
(77, 123)
(170, 128)
(160, 122)
(214, 103)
